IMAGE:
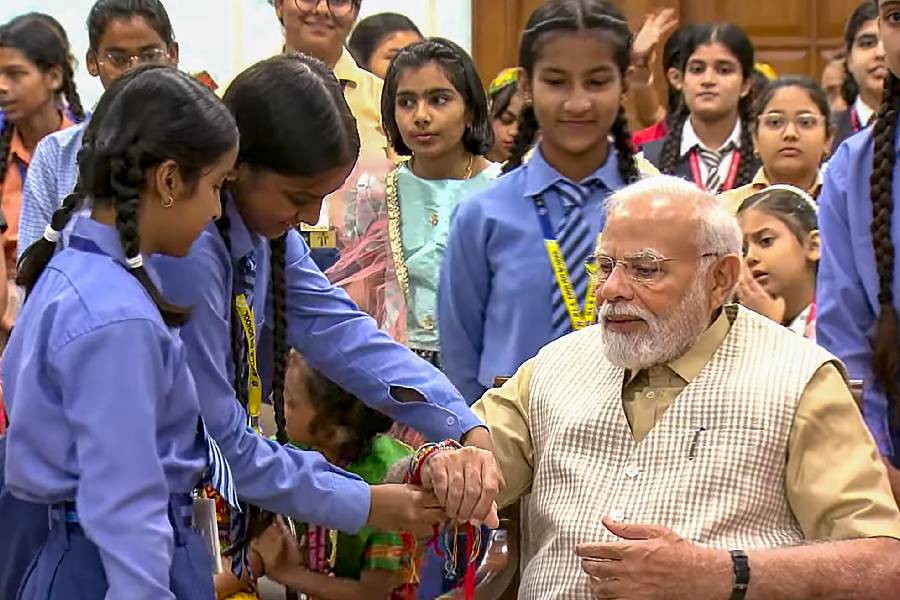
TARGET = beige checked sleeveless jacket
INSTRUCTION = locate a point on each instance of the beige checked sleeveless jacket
(712, 469)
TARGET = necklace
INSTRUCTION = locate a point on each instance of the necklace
(466, 176)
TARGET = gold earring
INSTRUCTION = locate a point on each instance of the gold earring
(168, 202)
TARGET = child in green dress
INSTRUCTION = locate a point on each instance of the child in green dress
(327, 565)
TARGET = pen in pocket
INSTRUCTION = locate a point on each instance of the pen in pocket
(693, 451)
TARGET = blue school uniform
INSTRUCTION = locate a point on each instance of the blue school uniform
(104, 426)
(497, 287)
(334, 338)
(51, 177)
(847, 288)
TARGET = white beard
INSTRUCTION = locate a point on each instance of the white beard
(667, 337)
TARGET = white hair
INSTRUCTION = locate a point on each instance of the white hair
(718, 230)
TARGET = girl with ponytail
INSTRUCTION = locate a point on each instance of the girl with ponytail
(859, 281)
(711, 139)
(499, 302)
(38, 97)
(104, 416)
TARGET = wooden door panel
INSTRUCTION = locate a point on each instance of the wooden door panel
(786, 60)
(832, 17)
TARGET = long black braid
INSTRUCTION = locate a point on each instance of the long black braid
(745, 172)
(37, 255)
(671, 150)
(281, 349)
(628, 168)
(886, 350)
(527, 132)
(234, 324)
(126, 180)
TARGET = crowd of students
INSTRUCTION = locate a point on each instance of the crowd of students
(166, 280)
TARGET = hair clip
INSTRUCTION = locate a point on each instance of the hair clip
(51, 235)
(135, 262)
(503, 79)
(803, 194)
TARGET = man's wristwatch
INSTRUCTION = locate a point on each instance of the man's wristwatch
(741, 581)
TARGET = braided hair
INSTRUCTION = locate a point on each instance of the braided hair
(886, 351)
(738, 43)
(263, 100)
(478, 137)
(576, 16)
(42, 40)
(152, 114)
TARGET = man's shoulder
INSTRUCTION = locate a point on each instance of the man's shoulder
(765, 332)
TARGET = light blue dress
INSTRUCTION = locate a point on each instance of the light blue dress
(426, 206)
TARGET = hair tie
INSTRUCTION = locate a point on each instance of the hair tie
(51, 235)
(135, 262)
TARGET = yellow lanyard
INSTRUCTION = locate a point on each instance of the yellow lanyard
(254, 382)
(578, 318)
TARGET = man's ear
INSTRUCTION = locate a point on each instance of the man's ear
(723, 277)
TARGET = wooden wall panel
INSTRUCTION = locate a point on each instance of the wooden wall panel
(796, 36)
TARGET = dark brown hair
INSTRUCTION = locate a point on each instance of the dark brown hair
(576, 16)
(886, 343)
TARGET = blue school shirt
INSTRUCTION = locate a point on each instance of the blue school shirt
(51, 177)
(495, 298)
(333, 336)
(103, 410)
(847, 288)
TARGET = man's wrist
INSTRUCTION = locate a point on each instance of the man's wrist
(715, 573)
(478, 437)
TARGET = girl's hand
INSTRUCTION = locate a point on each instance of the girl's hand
(657, 26)
(277, 548)
(753, 296)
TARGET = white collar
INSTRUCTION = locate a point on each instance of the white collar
(689, 138)
(863, 111)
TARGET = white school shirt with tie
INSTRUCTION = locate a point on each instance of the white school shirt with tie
(690, 141)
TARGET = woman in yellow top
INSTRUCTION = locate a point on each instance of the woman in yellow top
(792, 135)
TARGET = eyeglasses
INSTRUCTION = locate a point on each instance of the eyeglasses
(338, 8)
(124, 60)
(777, 122)
(644, 268)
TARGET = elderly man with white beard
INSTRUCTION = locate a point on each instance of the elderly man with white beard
(686, 448)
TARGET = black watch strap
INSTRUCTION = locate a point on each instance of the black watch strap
(741, 581)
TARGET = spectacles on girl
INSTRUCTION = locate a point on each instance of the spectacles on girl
(778, 122)
(124, 60)
(338, 8)
(643, 267)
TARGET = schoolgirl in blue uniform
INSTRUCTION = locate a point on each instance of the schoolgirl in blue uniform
(499, 300)
(255, 293)
(104, 414)
(858, 289)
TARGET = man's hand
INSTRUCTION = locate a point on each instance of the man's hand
(653, 563)
(465, 482)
